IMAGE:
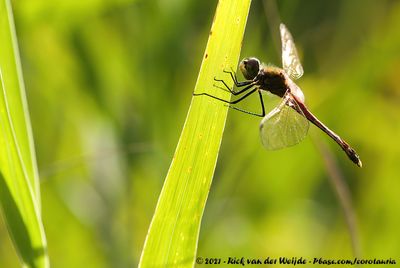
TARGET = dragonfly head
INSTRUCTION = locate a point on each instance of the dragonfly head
(249, 68)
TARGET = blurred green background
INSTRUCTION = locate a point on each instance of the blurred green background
(109, 84)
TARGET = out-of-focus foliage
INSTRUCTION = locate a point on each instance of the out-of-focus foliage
(107, 85)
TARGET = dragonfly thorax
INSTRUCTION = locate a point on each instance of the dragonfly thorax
(272, 79)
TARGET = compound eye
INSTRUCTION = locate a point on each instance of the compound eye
(249, 68)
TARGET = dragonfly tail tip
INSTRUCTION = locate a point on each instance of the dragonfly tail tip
(359, 163)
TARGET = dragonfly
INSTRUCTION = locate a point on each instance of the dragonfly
(287, 124)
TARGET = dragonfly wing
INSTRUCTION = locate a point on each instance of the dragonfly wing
(290, 60)
(284, 126)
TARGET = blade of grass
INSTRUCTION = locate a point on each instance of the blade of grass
(337, 180)
(19, 184)
(173, 233)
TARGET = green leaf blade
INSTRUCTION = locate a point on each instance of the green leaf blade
(174, 230)
(19, 184)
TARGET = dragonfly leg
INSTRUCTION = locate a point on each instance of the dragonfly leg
(235, 93)
(262, 104)
(229, 102)
(248, 85)
(235, 80)
(262, 114)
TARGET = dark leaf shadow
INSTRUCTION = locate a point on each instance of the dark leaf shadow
(17, 228)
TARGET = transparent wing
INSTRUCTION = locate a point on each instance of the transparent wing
(290, 60)
(284, 126)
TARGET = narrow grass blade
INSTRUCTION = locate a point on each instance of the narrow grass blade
(173, 233)
(343, 194)
(19, 185)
